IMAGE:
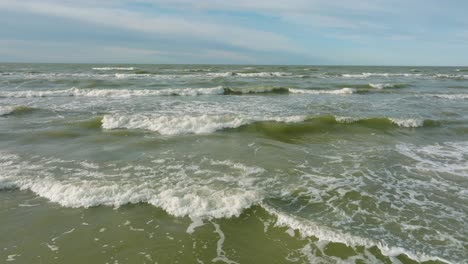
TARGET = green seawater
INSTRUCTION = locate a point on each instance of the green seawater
(233, 164)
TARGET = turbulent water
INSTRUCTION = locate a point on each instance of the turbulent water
(233, 164)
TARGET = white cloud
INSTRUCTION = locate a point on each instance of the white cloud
(181, 27)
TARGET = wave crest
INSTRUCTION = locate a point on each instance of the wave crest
(12, 110)
(181, 194)
(203, 124)
(114, 68)
(255, 89)
(114, 92)
(308, 91)
(172, 125)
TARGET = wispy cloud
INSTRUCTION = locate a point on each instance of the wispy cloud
(165, 25)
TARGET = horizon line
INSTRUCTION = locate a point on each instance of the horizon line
(236, 64)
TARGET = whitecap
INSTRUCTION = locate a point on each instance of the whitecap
(175, 125)
(6, 110)
(382, 85)
(114, 68)
(309, 91)
(451, 96)
(409, 122)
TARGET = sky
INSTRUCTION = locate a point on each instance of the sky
(305, 32)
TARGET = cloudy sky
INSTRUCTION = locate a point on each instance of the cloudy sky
(350, 32)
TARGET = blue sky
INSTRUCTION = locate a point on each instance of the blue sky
(348, 32)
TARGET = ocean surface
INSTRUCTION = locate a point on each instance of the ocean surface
(233, 164)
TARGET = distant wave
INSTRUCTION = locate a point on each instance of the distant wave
(253, 74)
(219, 90)
(310, 91)
(133, 73)
(372, 74)
(451, 96)
(365, 75)
(401, 122)
(114, 68)
(203, 124)
(114, 92)
(283, 90)
(387, 85)
(255, 89)
(452, 76)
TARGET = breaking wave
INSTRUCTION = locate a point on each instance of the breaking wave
(185, 196)
(114, 68)
(176, 193)
(256, 89)
(372, 74)
(365, 75)
(219, 90)
(203, 124)
(309, 91)
(114, 92)
(386, 85)
(308, 228)
(251, 74)
(174, 125)
(12, 110)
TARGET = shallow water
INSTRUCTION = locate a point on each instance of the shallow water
(233, 164)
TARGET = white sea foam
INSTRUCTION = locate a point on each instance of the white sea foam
(409, 122)
(448, 157)
(451, 96)
(346, 119)
(204, 202)
(264, 74)
(220, 74)
(382, 85)
(285, 119)
(401, 122)
(372, 74)
(250, 75)
(52, 247)
(309, 229)
(5, 110)
(114, 92)
(418, 75)
(45, 93)
(220, 254)
(196, 222)
(309, 91)
(12, 257)
(114, 68)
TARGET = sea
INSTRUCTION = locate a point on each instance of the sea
(103, 163)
